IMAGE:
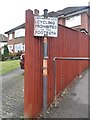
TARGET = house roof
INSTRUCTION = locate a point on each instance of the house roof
(16, 28)
(65, 11)
(68, 10)
(55, 14)
(3, 38)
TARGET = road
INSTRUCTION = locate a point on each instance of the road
(12, 94)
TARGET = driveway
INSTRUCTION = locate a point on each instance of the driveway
(12, 94)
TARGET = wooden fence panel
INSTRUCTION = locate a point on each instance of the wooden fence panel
(33, 70)
(83, 51)
(69, 43)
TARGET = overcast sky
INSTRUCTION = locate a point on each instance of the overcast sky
(12, 12)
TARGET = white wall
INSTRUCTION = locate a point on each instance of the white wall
(10, 47)
(10, 36)
(2, 45)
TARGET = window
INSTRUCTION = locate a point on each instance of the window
(73, 21)
(20, 33)
(19, 47)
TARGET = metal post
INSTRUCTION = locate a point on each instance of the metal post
(45, 78)
(55, 84)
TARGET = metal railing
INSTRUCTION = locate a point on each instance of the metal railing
(54, 63)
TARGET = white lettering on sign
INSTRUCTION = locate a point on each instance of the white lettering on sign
(47, 26)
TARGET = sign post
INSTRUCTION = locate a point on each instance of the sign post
(45, 27)
(45, 69)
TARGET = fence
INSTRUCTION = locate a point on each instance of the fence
(69, 43)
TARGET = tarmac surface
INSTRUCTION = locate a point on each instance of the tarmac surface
(74, 102)
(12, 94)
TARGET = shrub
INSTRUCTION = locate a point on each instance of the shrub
(15, 56)
(11, 55)
(6, 51)
(19, 53)
(0, 56)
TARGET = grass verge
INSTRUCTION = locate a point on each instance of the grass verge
(7, 66)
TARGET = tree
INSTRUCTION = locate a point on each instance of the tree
(6, 51)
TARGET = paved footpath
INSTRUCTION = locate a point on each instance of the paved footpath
(75, 103)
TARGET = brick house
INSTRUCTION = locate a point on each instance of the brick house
(74, 17)
(16, 39)
(3, 41)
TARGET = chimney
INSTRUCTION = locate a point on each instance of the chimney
(36, 12)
